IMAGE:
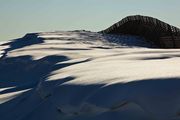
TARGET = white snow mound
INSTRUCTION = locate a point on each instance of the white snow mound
(79, 75)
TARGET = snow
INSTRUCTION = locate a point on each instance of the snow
(80, 75)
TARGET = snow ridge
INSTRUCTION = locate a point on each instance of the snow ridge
(88, 76)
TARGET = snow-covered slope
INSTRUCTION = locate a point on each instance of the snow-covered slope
(81, 75)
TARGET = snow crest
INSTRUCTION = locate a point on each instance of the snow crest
(81, 75)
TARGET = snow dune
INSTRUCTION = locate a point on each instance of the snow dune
(79, 75)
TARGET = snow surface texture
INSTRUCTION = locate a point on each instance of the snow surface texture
(81, 75)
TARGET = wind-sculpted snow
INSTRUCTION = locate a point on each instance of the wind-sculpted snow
(81, 75)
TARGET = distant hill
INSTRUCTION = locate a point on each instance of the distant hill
(153, 30)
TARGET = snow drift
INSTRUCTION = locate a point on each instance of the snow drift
(79, 75)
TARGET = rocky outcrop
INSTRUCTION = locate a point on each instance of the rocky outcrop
(153, 30)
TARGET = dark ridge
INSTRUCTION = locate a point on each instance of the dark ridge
(153, 30)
